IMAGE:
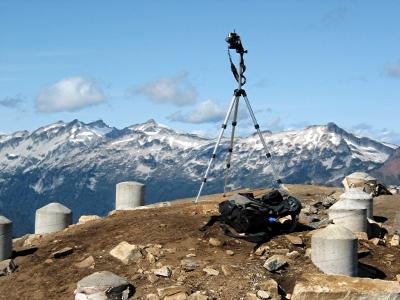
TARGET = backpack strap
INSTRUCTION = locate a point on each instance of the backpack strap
(258, 237)
(211, 222)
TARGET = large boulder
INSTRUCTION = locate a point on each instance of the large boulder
(330, 287)
(103, 285)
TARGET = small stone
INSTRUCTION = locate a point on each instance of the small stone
(178, 296)
(263, 294)
(275, 262)
(190, 255)
(151, 258)
(230, 252)
(48, 261)
(395, 241)
(215, 242)
(197, 296)
(279, 251)
(271, 286)
(152, 278)
(288, 296)
(398, 277)
(211, 271)
(7, 267)
(308, 252)
(89, 218)
(164, 271)
(154, 250)
(377, 241)
(261, 250)
(152, 297)
(251, 296)
(293, 255)
(294, 239)
(226, 270)
(170, 290)
(361, 236)
(86, 263)
(126, 253)
(189, 264)
(63, 252)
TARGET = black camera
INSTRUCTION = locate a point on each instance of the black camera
(233, 39)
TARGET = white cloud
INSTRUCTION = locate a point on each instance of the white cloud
(393, 70)
(205, 112)
(176, 90)
(69, 94)
(12, 102)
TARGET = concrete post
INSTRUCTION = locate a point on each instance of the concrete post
(358, 196)
(129, 195)
(349, 214)
(334, 250)
(5, 238)
(52, 218)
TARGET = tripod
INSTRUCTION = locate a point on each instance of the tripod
(235, 43)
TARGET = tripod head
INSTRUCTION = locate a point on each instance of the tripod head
(233, 39)
(235, 43)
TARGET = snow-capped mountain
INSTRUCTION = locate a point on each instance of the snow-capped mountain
(79, 164)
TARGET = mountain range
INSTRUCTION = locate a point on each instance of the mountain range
(78, 164)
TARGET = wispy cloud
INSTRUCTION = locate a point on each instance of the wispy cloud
(12, 102)
(69, 94)
(335, 15)
(383, 134)
(393, 70)
(205, 112)
(176, 90)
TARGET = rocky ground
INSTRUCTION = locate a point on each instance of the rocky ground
(171, 251)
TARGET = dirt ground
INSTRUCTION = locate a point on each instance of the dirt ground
(176, 229)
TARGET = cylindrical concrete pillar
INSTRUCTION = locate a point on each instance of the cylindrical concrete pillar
(5, 238)
(358, 196)
(129, 195)
(349, 214)
(52, 217)
(334, 250)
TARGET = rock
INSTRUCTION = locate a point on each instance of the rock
(361, 236)
(294, 239)
(226, 270)
(170, 290)
(327, 287)
(89, 218)
(251, 296)
(271, 286)
(164, 271)
(32, 239)
(320, 224)
(126, 253)
(7, 267)
(211, 271)
(152, 278)
(48, 261)
(279, 251)
(189, 264)
(154, 250)
(395, 241)
(197, 296)
(293, 255)
(215, 242)
(190, 255)
(152, 297)
(398, 277)
(275, 262)
(63, 252)
(86, 263)
(230, 252)
(103, 285)
(178, 296)
(263, 294)
(261, 250)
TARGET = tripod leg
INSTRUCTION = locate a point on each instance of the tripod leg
(230, 150)
(221, 133)
(268, 153)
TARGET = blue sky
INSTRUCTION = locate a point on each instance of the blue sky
(309, 62)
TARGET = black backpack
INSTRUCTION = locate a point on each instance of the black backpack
(254, 219)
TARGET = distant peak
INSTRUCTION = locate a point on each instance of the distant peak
(98, 123)
(151, 121)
